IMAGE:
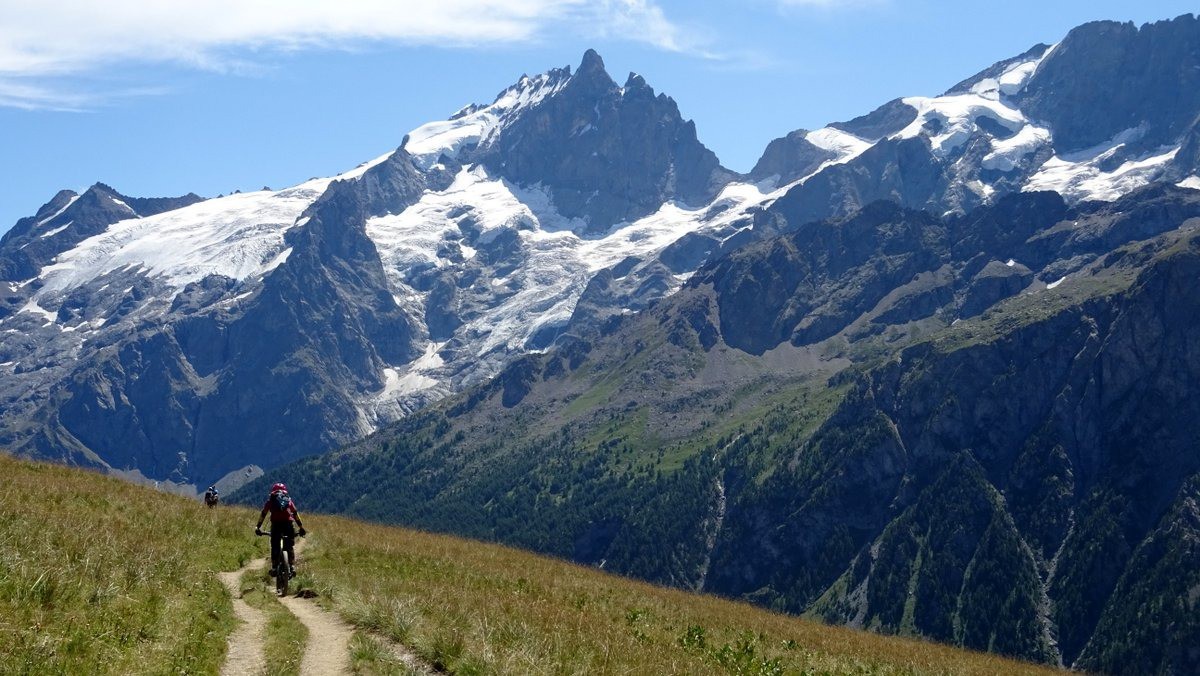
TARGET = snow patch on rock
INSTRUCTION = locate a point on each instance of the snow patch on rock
(1080, 176)
(1192, 182)
(58, 213)
(949, 121)
(478, 125)
(1007, 154)
(55, 231)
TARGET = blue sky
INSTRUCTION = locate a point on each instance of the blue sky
(216, 95)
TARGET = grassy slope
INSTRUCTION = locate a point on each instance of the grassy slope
(469, 607)
(99, 576)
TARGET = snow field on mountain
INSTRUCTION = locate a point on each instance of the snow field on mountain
(847, 146)
(1008, 153)
(1012, 80)
(950, 121)
(1080, 176)
(238, 236)
(558, 260)
(957, 116)
(413, 378)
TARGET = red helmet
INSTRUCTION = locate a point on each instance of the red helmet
(279, 487)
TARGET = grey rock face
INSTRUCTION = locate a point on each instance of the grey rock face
(1107, 77)
(331, 323)
(810, 285)
(392, 185)
(901, 171)
(789, 158)
(607, 153)
(885, 120)
(995, 282)
(895, 265)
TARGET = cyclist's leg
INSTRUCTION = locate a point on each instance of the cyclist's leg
(289, 542)
(276, 546)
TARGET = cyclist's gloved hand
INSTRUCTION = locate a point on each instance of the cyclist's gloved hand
(258, 530)
(303, 532)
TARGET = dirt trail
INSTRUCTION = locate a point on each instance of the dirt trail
(328, 648)
(245, 656)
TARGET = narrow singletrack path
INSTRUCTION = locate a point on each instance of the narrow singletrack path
(245, 655)
(328, 648)
(327, 651)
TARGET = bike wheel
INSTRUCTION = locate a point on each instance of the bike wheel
(283, 574)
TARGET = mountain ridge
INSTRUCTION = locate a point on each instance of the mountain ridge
(200, 311)
(505, 176)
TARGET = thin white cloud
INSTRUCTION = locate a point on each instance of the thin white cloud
(17, 94)
(45, 41)
(829, 4)
(641, 21)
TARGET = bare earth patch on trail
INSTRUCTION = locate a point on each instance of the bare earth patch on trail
(328, 647)
(245, 655)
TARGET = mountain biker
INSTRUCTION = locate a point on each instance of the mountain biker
(212, 496)
(284, 519)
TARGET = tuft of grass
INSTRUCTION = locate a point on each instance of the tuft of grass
(369, 656)
(475, 608)
(100, 576)
(285, 635)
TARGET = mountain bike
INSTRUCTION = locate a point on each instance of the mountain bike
(284, 569)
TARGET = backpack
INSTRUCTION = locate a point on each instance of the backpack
(280, 501)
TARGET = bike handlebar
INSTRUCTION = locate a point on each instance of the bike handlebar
(260, 532)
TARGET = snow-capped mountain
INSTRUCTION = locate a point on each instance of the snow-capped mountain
(1109, 109)
(191, 340)
(187, 339)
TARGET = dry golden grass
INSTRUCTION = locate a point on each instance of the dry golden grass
(468, 607)
(99, 576)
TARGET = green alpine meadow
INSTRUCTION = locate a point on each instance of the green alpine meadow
(137, 593)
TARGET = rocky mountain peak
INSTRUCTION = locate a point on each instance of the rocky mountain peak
(592, 63)
(635, 81)
(605, 154)
(590, 80)
(1106, 78)
(60, 200)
